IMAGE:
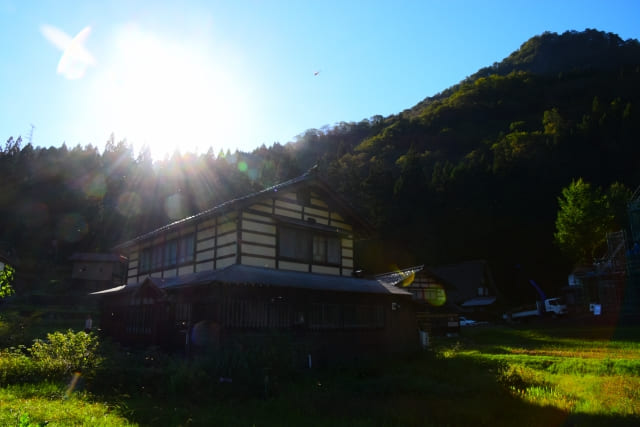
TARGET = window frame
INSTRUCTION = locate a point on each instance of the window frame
(306, 252)
(159, 257)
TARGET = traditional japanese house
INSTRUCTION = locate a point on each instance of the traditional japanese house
(281, 259)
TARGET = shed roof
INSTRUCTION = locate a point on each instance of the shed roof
(238, 274)
(309, 178)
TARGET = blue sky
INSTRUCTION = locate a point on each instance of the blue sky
(236, 74)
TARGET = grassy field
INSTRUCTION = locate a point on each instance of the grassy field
(504, 376)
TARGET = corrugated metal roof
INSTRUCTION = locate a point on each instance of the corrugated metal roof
(396, 277)
(242, 274)
(110, 290)
(479, 302)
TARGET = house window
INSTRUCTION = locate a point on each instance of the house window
(171, 253)
(308, 246)
(186, 248)
(156, 257)
(294, 244)
(326, 249)
(145, 260)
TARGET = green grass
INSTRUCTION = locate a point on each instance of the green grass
(498, 376)
(50, 404)
(583, 371)
(488, 376)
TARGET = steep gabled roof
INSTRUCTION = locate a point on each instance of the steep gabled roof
(309, 178)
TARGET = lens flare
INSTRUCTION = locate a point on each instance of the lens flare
(242, 166)
(95, 187)
(408, 279)
(252, 174)
(72, 384)
(129, 204)
(175, 207)
(435, 295)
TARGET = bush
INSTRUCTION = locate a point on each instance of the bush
(64, 353)
(17, 367)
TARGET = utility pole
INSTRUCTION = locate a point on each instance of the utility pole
(31, 133)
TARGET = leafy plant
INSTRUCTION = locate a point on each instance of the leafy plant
(6, 280)
(68, 352)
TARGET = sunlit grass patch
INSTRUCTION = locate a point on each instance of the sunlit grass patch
(580, 373)
(547, 396)
(618, 395)
(46, 403)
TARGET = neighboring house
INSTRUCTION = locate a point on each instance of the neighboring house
(95, 271)
(437, 315)
(471, 284)
(446, 291)
(281, 259)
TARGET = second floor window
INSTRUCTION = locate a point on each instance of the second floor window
(186, 248)
(171, 253)
(156, 257)
(308, 246)
(168, 254)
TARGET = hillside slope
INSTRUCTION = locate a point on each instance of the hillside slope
(475, 171)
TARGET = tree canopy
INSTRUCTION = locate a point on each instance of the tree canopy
(586, 215)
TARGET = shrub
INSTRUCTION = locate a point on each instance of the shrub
(64, 353)
(17, 367)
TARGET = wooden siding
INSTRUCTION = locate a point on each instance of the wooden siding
(259, 233)
(250, 237)
(328, 325)
(262, 239)
(293, 266)
(205, 255)
(323, 269)
(213, 240)
(225, 262)
(187, 269)
(258, 262)
(204, 266)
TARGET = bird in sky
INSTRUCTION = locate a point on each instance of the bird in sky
(75, 57)
(316, 72)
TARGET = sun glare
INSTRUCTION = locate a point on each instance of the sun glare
(170, 96)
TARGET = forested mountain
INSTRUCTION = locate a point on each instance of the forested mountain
(473, 172)
(476, 171)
